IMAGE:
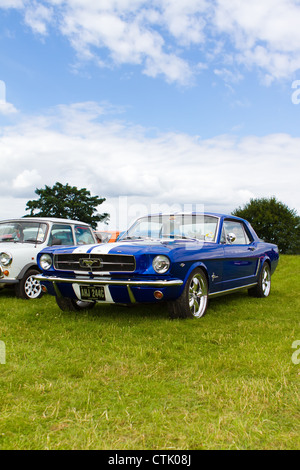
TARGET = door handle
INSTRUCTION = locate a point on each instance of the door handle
(251, 248)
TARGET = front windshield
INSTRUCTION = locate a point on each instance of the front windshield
(182, 226)
(22, 232)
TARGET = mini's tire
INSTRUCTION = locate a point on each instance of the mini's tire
(193, 301)
(71, 305)
(263, 287)
(29, 287)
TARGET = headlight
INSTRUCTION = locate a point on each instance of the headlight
(161, 264)
(46, 262)
(5, 259)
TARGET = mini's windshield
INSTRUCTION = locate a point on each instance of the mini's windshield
(182, 226)
(22, 232)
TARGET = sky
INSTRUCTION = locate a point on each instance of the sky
(155, 105)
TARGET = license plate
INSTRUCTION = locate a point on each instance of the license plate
(92, 293)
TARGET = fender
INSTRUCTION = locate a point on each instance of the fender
(25, 269)
(264, 259)
(198, 264)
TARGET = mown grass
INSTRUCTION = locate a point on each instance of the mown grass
(130, 378)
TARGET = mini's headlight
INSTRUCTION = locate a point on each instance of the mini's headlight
(161, 264)
(46, 261)
(5, 259)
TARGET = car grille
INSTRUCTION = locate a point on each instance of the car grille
(95, 263)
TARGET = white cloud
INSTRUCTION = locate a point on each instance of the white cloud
(11, 3)
(26, 179)
(77, 144)
(38, 16)
(158, 35)
(123, 28)
(265, 34)
(7, 108)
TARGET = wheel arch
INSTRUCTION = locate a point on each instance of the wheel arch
(198, 264)
(26, 269)
(264, 260)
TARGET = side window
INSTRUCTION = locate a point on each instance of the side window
(237, 228)
(83, 236)
(61, 235)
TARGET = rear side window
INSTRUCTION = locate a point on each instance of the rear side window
(83, 235)
(238, 229)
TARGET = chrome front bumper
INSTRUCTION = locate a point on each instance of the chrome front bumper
(128, 283)
(110, 282)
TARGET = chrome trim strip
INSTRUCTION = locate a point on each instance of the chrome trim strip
(110, 282)
(229, 291)
(258, 266)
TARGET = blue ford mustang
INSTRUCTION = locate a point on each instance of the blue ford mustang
(182, 258)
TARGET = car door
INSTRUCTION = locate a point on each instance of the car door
(241, 256)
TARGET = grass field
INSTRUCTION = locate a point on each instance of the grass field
(130, 378)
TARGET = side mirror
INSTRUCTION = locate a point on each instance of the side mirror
(230, 237)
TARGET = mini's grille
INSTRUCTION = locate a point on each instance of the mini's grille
(95, 263)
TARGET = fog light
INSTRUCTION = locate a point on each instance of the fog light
(158, 294)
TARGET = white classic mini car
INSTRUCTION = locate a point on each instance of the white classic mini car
(22, 239)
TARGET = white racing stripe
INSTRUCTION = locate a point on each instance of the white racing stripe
(106, 248)
(102, 248)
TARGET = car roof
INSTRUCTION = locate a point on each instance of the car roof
(213, 214)
(46, 219)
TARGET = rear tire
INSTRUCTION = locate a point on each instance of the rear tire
(71, 305)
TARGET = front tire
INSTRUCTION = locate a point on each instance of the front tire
(263, 287)
(29, 287)
(194, 299)
(71, 305)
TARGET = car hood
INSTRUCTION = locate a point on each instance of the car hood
(136, 247)
(13, 247)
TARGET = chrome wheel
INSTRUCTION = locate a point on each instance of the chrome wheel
(32, 288)
(198, 295)
(266, 281)
(29, 287)
(194, 298)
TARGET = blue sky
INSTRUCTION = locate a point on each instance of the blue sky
(162, 102)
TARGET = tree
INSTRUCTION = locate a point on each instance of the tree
(274, 222)
(67, 202)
